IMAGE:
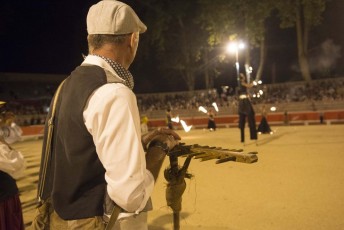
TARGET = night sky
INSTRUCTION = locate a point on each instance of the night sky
(43, 36)
(49, 36)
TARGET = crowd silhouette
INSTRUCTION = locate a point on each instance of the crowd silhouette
(31, 106)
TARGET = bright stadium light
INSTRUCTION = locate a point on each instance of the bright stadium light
(234, 47)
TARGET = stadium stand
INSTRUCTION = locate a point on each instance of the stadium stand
(29, 96)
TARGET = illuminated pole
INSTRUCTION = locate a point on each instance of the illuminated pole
(234, 47)
(237, 65)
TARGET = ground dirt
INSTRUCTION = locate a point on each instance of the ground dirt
(297, 183)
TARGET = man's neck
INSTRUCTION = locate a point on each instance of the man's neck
(115, 54)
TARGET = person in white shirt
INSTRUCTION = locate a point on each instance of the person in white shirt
(14, 132)
(97, 146)
(12, 165)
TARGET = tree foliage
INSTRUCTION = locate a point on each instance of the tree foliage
(179, 39)
(303, 15)
(240, 19)
(188, 37)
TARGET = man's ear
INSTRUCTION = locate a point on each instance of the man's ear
(134, 39)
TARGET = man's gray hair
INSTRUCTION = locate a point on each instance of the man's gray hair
(96, 41)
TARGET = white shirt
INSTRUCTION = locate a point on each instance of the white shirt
(11, 161)
(112, 118)
(15, 134)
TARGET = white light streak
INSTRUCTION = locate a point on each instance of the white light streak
(202, 109)
(185, 126)
(215, 106)
(175, 119)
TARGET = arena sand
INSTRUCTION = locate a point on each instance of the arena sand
(297, 183)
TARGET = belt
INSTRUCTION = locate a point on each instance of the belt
(243, 96)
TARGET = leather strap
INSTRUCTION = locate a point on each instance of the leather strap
(114, 215)
(48, 141)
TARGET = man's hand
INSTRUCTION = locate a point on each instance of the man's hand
(158, 143)
(163, 135)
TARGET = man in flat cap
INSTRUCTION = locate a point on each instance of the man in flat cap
(97, 148)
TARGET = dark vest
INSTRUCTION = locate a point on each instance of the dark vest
(8, 186)
(244, 105)
(75, 178)
(242, 90)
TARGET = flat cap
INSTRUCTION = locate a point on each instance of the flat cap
(113, 17)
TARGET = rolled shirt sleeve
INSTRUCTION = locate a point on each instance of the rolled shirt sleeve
(12, 161)
(112, 118)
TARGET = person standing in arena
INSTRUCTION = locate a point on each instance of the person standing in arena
(211, 120)
(245, 110)
(144, 124)
(16, 132)
(264, 127)
(169, 118)
(97, 145)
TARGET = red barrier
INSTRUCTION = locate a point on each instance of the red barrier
(274, 118)
(33, 130)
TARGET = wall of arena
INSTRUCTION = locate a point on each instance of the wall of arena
(292, 118)
(226, 121)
